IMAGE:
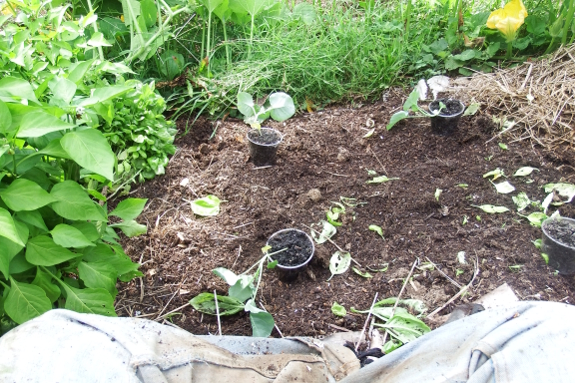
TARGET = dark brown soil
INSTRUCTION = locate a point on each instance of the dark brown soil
(562, 231)
(290, 248)
(452, 107)
(326, 151)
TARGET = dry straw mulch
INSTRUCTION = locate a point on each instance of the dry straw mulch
(538, 97)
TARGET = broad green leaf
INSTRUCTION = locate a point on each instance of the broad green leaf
(8, 228)
(9, 249)
(283, 106)
(44, 281)
(361, 273)
(328, 231)
(339, 263)
(521, 201)
(131, 9)
(524, 171)
(411, 101)
(98, 275)
(242, 286)
(32, 218)
(129, 208)
(211, 5)
(25, 195)
(5, 118)
(43, 251)
(25, 302)
(149, 12)
(504, 187)
(205, 303)
(88, 230)
(245, 104)
(54, 149)
(63, 89)
(305, 12)
(18, 89)
(492, 209)
(338, 310)
(227, 275)
(91, 301)
(466, 55)
(206, 206)
(406, 327)
(40, 123)
(90, 149)
(495, 174)
(100, 95)
(73, 203)
(131, 228)
(68, 236)
(79, 70)
(391, 345)
(380, 180)
(253, 7)
(564, 190)
(396, 117)
(536, 219)
(262, 321)
(98, 40)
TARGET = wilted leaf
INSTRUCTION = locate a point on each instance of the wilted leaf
(206, 206)
(377, 229)
(521, 201)
(328, 231)
(381, 179)
(471, 109)
(495, 174)
(564, 190)
(536, 219)
(338, 310)
(504, 187)
(339, 263)
(492, 209)
(524, 171)
(361, 273)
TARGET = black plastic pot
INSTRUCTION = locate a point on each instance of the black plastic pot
(293, 250)
(559, 244)
(446, 122)
(264, 145)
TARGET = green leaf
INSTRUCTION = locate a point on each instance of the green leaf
(131, 228)
(411, 101)
(5, 118)
(471, 109)
(98, 40)
(380, 180)
(25, 302)
(54, 149)
(524, 171)
(495, 174)
(79, 71)
(74, 203)
(98, 275)
(129, 208)
(100, 95)
(545, 258)
(537, 243)
(44, 281)
(536, 218)
(503, 146)
(205, 303)
(466, 55)
(68, 236)
(492, 209)
(253, 7)
(63, 89)
(8, 228)
(396, 117)
(42, 251)
(339, 263)
(18, 89)
(91, 301)
(88, 230)
(149, 12)
(283, 106)
(26, 195)
(361, 273)
(245, 104)
(9, 249)
(206, 206)
(90, 149)
(521, 201)
(338, 310)
(391, 345)
(40, 123)
(564, 190)
(406, 327)
(262, 321)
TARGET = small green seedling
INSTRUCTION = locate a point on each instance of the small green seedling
(524, 171)
(361, 273)
(458, 272)
(338, 310)
(279, 106)
(410, 105)
(437, 194)
(545, 258)
(377, 229)
(503, 146)
(495, 174)
(491, 209)
(206, 206)
(515, 268)
(464, 222)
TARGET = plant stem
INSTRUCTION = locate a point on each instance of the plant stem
(568, 22)
(100, 50)
(509, 49)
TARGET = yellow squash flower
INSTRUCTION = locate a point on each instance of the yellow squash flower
(508, 19)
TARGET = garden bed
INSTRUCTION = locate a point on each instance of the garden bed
(325, 150)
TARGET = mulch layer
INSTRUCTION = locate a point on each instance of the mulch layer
(326, 151)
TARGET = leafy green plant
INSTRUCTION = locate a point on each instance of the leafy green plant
(411, 105)
(58, 247)
(279, 106)
(140, 135)
(241, 296)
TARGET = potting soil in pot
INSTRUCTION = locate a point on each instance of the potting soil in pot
(562, 231)
(452, 107)
(297, 245)
(263, 136)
